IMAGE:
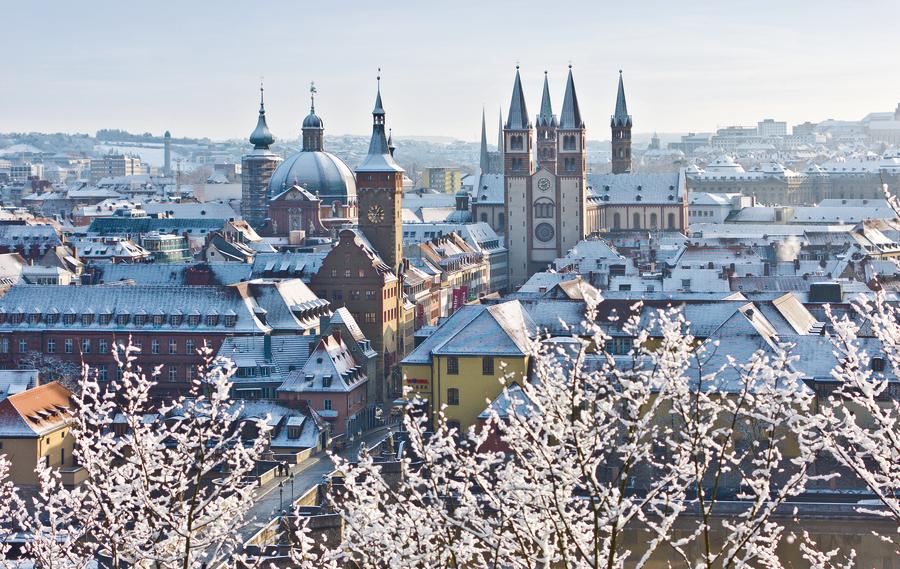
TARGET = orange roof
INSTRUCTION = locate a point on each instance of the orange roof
(36, 411)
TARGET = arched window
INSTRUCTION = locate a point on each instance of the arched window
(636, 221)
(653, 221)
(515, 142)
(543, 208)
(501, 219)
(569, 142)
(483, 217)
(671, 221)
(617, 221)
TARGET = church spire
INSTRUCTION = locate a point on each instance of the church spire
(379, 157)
(546, 118)
(500, 130)
(261, 137)
(621, 116)
(571, 114)
(485, 162)
(518, 112)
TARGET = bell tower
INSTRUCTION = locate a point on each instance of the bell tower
(620, 123)
(518, 169)
(379, 187)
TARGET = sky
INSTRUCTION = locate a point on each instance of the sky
(194, 67)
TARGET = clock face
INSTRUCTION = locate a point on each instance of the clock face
(376, 213)
(543, 184)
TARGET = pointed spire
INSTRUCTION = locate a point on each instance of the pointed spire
(261, 137)
(500, 131)
(379, 108)
(485, 161)
(545, 118)
(380, 157)
(312, 97)
(518, 112)
(571, 114)
(621, 116)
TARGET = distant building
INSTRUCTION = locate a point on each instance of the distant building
(115, 165)
(443, 179)
(770, 127)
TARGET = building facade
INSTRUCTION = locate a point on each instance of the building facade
(545, 207)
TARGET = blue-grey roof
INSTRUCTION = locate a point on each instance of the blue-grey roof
(571, 114)
(169, 273)
(518, 112)
(123, 225)
(644, 187)
(131, 300)
(319, 172)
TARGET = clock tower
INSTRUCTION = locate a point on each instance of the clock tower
(379, 187)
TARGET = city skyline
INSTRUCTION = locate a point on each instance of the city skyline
(196, 72)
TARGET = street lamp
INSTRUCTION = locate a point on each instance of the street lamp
(281, 495)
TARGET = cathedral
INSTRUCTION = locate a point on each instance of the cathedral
(545, 191)
(549, 201)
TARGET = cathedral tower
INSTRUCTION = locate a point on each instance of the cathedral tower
(257, 168)
(621, 133)
(517, 173)
(546, 132)
(572, 157)
(379, 186)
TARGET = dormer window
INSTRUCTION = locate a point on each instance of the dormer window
(230, 320)
(194, 320)
(175, 319)
(87, 319)
(326, 381)
(69, 318)
(140, 319)
(122, 319)
(212, 319)
(105, 318)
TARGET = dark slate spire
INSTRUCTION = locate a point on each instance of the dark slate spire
(261, 137)
(518, 113)
(571, 114)
(546, 118)
(379, 158)
(485, 161)
(621, 116)
(500, 131)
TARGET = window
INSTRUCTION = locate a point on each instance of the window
(103, 346)
(453, 365)
(189, 371)
(370, 318)
(501, 219)
(483, 217)
(569, 142)
(51, 345)
(102, 373)
(370, 295)
(516, 142)
(138, 345)
(69, 346)
(671, 221)
(543, 208)
(487, 365)
(154, 346)
(230, 320)
(453, 396)
(4, 345)
(686, 284)
(173, 346)
(346, 273)
(354, 295)
(636, 221)
(23, 346)
(105, 318)
(85, 346)
(212, 319)
(175, 319)
(189, 346)
(87, 319)
(159, 319)
(326, 404)
(69, 318)
(173, 373)
(653, 221)
(617, 221)
(194, 319)
(121, 319)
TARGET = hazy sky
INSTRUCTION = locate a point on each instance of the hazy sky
(193, 67)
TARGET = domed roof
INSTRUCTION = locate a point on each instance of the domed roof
(312, 120)
(319, 172)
